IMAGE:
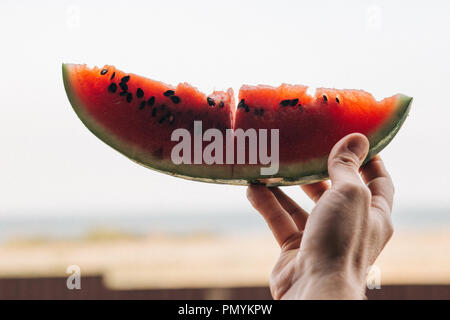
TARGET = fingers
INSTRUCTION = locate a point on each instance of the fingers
(283, 227)
(345, 159)
(315, 190)
(379, 182)
(297, 213)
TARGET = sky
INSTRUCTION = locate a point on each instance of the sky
(52, 165)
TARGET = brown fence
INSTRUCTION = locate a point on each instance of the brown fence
(92, 287)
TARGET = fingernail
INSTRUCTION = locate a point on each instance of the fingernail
(358, 145)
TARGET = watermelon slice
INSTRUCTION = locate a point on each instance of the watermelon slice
(137, 116)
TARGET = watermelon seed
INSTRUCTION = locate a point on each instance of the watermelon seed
(293, 102)
(123, 93)
(129, 97)
(167, 116)
(242, 105)
(171, 119)
(169, 93)
(259, 112)
(285, 103)
(103, 72)
(337, 99)
(211, 102)
(112, 87)
(221, 104)
(325, 98)
(175, 99)
(142, 106)
(125, 79)
(123, 86)
(113, 75)
(151, 101)
(154, 112)
(139, 93)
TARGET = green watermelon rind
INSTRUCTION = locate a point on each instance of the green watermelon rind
(307, 172)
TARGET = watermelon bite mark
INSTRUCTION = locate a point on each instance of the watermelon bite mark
(137, 116)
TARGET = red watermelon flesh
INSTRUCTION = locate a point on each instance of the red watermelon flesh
(137, 116)
(141, 126)
(311, 125)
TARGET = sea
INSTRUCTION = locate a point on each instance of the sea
(73, 226)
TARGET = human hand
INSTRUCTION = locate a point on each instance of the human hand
(325, 254)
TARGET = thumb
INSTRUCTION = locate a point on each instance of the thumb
(346, 157)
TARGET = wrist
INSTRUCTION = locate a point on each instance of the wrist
(340, 281)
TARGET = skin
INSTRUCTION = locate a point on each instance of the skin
(326, 254)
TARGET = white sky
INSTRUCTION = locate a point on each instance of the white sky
(51, 164)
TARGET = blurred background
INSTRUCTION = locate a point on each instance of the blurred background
(69, 199)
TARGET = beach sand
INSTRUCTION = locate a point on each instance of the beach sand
(203, 260)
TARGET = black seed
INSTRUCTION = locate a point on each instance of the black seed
(285, 103)
(129, 97)
(242, 104)
(154, 112)
(167, 116)
(151, 101)
(171, 119)
(142, 105)
(337, 99)
(123, 86)
(169, 93)
(125, 79)
(113, 75)
(325, 98)
(112, 87)
(259, 112)
(211, 102)
(293, 102)
(123, 93)
(175, 99)
(103, 72)
(139, 93)
(221, 104)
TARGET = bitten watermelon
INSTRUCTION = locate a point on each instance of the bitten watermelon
(137, 116)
